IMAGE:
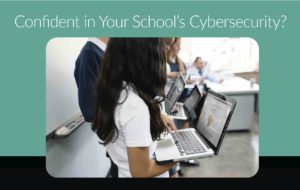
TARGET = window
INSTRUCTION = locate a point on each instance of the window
(221, 54)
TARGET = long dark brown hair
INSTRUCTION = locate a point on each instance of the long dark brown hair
(139, 62)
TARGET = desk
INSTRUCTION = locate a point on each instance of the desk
(246, 96)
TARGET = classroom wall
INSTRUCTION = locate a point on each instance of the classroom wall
(79, 155)
(61, 89)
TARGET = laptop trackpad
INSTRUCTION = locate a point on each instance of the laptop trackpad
(166, 149)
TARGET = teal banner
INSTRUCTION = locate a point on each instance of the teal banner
(27, 27)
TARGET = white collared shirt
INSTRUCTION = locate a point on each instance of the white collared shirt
(132, 119)
(98, 43)
(174, 59)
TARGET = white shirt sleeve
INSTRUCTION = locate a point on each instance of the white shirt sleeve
(136, 127)
(168, 68)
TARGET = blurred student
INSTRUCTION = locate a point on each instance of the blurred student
(198, 70)
(173, 60)
(170, 75)
(87, 68)
(177, 65)
(86, 72)
(127, 116)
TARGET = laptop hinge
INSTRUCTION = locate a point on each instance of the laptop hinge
(185, 111)
(202, 139)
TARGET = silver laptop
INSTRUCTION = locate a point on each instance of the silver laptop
(186, 77)
(185, 109)
(173, 94)
(205, 139)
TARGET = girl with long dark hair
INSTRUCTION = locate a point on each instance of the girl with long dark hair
(127, 116)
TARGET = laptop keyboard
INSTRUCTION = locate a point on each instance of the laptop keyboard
(179, 113)
(187, 143)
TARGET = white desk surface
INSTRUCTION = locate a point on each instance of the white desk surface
(233, 85)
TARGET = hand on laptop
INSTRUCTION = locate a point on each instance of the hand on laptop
(169, 122)
(174, 109)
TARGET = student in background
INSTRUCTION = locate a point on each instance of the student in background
(177, 65)
(198, 70)
(170, 75)
(169, 41)
(173, 60)
(127, 116)
(86, 72)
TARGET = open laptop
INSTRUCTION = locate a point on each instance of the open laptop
(185, 109)
(173, 94)
(186, 77)
(205, 139)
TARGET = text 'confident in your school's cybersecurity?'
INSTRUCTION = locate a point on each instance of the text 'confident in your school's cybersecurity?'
(137, 21)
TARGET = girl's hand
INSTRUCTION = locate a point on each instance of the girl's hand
(169, 122)
(175, 108)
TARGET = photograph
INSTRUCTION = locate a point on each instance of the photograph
(171, 107)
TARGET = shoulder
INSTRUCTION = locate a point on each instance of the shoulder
(90, 56)
(193, 69)
(134, 121)
(133, 102)
(91, 49)
(133, 107)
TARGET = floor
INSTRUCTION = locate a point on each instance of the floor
(238, 156)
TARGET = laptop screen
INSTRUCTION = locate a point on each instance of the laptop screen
(174, 93)
(192, 100)
(213, 118)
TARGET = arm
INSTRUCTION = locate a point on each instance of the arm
(169, 122)
(86, 72)
(137, 135)
(191, 73)
(172, 74)
(212, 78)
(141, 166)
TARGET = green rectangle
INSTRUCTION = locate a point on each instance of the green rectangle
(22, 68)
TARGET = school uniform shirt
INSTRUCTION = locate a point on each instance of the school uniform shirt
(132, 120)
(86, 72)
(174, 65)
(168, 68)
(193, 71)
(169, 81)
